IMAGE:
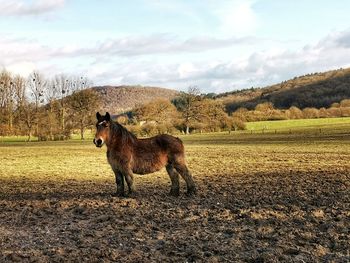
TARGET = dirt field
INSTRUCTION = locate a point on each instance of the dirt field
(261, 199)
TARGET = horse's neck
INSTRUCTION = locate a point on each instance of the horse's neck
(116, 136)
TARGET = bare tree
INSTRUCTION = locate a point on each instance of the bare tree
(7, 99)
(36, 84)
(19, 85)
(63, 86)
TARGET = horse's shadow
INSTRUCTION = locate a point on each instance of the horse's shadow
(52, 196)
(108, 194)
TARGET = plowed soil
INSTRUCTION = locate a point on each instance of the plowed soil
(277, 201)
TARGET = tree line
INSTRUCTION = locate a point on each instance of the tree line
(195, 112)
(47, 108)
(266, 111)
(54, 108)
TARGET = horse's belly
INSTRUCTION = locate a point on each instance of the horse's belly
(146, 170)
(146, 167)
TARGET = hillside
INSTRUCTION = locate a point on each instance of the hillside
(312, 90)
(118, 99)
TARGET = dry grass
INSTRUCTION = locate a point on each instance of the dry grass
(261, 199)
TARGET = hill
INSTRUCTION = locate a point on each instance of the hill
(118, 99)
(312, 90)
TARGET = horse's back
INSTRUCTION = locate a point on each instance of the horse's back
(169, 143)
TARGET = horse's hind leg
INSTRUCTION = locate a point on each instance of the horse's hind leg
(174, 177)
(182, 169)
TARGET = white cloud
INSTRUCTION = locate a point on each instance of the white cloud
(258, 69)
(340, 39)
(23, 68)
(145, 61)
(177, 7)
(237, 17)
(16, 50)
(23, 8)
(185, 69)
(158, 44)
(273, 66)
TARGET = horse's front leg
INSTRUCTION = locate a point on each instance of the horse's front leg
(129, 177)
(119, 180)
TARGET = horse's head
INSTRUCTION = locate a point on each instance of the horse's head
(102, 129)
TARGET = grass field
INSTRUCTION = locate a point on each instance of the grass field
(262, 198)
(302, 126)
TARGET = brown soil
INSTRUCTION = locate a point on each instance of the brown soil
(273, 205)
(300, 217)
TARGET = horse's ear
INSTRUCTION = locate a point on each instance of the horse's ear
(98, 115)
(108, 117)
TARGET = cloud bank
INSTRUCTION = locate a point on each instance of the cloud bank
(25, 8)
(145, 60)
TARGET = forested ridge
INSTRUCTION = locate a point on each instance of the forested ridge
(312, 90)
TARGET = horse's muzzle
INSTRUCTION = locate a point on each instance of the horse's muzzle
(98, 142)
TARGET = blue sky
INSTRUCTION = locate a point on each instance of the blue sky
(215, 45)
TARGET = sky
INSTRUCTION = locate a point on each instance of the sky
(216, 45)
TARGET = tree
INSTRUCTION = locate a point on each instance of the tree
(334, 112)
(310, 113)
(335, 105)
(7, 99)
(161, 112)
(295, 113)
(323, 113)
(345, 103)
(19, 85)
(36, 84)
(234, 123)
(264, 107)
(212, 112)
(28, 118)
(240, 113)
(60, 88)
(83, 105)
(265, 111)
(186, 105)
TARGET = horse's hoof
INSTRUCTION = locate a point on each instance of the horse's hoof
(191, 191)
(174, 192)
(131, 194)
(118, 194)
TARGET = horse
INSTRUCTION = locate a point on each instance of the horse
(128, 154)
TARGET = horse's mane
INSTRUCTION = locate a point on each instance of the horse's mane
(120, 130)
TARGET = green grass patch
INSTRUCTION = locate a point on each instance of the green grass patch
(333, 123)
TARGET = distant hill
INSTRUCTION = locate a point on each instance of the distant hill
(119, 99)
(313, 90)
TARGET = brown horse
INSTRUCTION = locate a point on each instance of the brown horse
(127, 155)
